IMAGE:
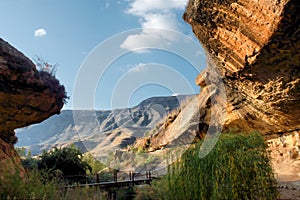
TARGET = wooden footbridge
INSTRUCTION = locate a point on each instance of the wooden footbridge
(119, 180)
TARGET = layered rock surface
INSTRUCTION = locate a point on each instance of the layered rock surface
(252, 79)
(27, 96)
(254, 47)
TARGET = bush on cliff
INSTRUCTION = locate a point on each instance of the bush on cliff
(47, 74)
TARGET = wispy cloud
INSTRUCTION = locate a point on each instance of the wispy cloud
(141, 67)
(154, 16)
(143, 7)
(40, 32)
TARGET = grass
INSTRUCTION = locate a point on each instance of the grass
(36, 185)
(237, 168)
(32, 185)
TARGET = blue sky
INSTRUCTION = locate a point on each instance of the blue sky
(152, 51)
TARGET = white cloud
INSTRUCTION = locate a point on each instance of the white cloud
(139, 42)
(141, 67)
(150, 38)
(40, 32)
(142, 7)
(165, 21)
(154, 16)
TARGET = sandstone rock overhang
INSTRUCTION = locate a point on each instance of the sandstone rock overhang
(255, 47)
(27, 96)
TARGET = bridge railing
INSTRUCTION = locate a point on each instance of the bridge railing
(114, 176)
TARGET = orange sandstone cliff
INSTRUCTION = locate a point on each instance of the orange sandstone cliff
(252, 78)
(255, 47)
(27, 96)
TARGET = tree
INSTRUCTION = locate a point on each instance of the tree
(28, 162)
(237, 168)
(66, 160)
(95, 164)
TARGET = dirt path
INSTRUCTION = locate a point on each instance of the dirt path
(289, 190)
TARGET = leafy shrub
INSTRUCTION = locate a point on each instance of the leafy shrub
(125, 193)
(68, 161)
(237, 168)
(28, 162)
(150, 192)
(96, 165)
(45, 183)
(32, 185)
(37, 185)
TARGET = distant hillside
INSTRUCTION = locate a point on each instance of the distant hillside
(98, 131)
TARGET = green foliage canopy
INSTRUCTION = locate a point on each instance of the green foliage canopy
(68, 160)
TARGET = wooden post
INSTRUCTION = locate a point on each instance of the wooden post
(97, 178)
(133, 177)
(111, 195)
(115, 174)
(147, 174)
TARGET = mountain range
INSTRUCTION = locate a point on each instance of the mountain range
(99, 131)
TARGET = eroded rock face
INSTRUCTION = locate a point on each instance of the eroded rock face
(254, 45)
(26, 97)
(9, 159)
(284, 153)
